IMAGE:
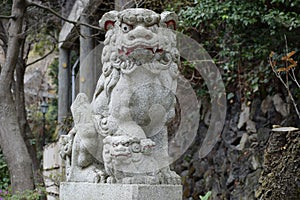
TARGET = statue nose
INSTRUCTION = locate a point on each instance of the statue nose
(140, 32)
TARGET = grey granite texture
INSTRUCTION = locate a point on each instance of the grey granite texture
(91, 191)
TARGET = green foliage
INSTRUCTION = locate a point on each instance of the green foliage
(206, 196)
(43, 44)
(242, 13)
(27, 194)
(51, 120)
(67, 124)
(162, 5)
(53, 73)
(36, 122)
(239, 36)
(4, 174)
(5, 7)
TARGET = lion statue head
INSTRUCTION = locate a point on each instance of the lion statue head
(136, 37)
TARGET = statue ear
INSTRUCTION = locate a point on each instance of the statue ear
(107, 140)
(108, 20)
(168, 20)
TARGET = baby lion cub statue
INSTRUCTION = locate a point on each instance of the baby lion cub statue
(121, 136)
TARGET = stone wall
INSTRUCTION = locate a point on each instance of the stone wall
(233, 169)
(52, 170)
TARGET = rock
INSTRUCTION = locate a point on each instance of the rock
(263, 135)
(184, 173)
(207, 117)
(229, 137)
(244, 115)
(266, 104)
(243, 141)
(255, 162)
(252, 138)
(230, 179)
(201, 167)
(251, 126)
(280, 105)
(251, 184)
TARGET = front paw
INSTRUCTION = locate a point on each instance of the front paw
(99, 176)
(169, 177)
(111, 180)
(147, 145)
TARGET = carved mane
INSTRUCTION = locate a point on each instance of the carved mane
(113, 66)
(110, 62)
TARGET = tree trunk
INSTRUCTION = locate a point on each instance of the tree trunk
(11, 140)
(280, 176)
(23, 122)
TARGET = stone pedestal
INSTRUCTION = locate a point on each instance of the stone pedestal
(92, 191)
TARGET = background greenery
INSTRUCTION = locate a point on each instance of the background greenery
(238, 34)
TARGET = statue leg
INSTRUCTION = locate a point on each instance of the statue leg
(84, 157)
(166, 175)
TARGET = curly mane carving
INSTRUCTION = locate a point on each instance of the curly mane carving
(125, 51)
(125, 126)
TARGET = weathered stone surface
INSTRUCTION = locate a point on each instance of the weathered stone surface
(51, 158)
(266, 104)
(227, 172)
(251, 127)
(234, 174)
(51, 169)
(244, 116)
(80, 191)
(280, 105)
(243, 141)
(122, 136)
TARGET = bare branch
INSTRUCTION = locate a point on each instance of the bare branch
(76, 24)
(43, 57)
(286, 86)
(129, 4)
(294, 78)
(7, 17)
(27, 51)
(3, 37)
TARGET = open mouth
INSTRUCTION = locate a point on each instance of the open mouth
(129, 50)
(121, 155)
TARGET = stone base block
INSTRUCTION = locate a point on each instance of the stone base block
(92, 191)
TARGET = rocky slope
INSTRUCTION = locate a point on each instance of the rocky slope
(237, 167)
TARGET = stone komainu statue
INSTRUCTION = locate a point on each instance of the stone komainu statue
(121, 136)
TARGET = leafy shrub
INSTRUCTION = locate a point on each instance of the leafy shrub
(4, 174)
(239, 36)
(27, 194)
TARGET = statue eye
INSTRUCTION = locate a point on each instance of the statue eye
(126, 144)
(126, 28)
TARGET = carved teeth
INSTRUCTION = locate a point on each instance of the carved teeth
(128, 50)
(154, 49)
